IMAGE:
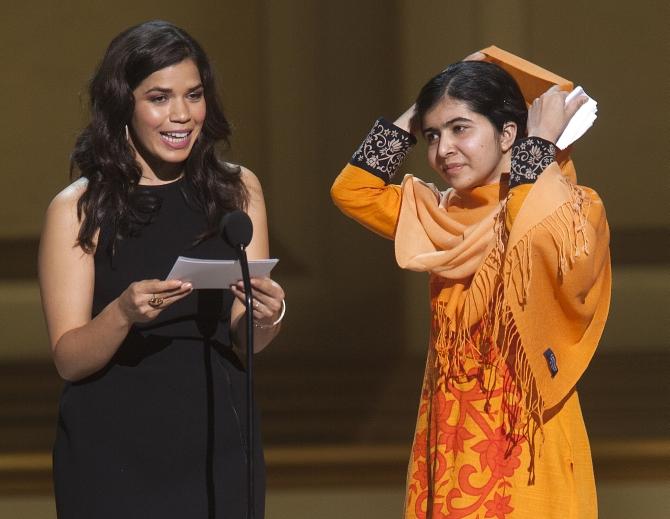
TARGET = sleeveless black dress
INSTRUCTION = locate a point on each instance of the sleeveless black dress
(161, 431)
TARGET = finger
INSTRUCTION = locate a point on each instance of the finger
(183, 291)
(272, 301)
(267, 300)
(263, 303)
(260, 309)
(156, 285)
(268, 286)
(169, 300)
(271, 304)
(241, 296)
(160, 300)
(185, 286)
(238, 293)
(475, 56)
(260, 286)
(575, 104)
(553, 88)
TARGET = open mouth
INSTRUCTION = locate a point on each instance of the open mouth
(176, 138)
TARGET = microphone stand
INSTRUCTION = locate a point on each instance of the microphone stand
(248, 300)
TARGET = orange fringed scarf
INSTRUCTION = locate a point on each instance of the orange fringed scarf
(516, 285)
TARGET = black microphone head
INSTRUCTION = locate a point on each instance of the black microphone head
(237, 229)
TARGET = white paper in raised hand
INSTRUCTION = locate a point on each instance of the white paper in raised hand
(580, 122)
(216, 273)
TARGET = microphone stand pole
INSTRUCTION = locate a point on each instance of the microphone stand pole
(248, 299)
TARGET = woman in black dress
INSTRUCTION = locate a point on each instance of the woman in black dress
(152, 415)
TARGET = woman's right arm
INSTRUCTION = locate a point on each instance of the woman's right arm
(363, 189)
(80, 345)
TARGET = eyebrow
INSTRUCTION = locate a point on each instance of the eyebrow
(164, 90)
(450, 122)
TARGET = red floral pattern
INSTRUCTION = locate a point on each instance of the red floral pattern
(493, 455)
(462, 458)
(498, 507)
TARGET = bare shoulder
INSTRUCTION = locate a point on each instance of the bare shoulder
(254, 188)
(64, 204)
(259, 247)
(250, 180)
(61, 222)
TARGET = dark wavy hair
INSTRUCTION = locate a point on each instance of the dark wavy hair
(103, 155)
(486, 88)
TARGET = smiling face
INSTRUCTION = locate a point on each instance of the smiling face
(168, 117)
(464, 147)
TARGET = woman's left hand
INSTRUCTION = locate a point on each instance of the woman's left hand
(549, 114)
(267, 299)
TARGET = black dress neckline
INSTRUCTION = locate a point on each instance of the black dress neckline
(165, 185)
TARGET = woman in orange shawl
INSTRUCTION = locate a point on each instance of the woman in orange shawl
(518, 260)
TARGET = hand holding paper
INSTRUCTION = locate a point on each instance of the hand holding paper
(203, 273)
(534, 81)
(580, 122)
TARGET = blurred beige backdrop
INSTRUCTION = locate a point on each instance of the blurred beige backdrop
(302, 81)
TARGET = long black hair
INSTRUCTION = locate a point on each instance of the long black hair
(103, 155)
(486, 88)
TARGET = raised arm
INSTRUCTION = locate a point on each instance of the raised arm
(80, 345)
(363, 189)
(558, 276)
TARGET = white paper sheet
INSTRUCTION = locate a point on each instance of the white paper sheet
(580, 122)
(216, 273)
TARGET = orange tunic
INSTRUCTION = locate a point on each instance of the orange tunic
(533, 274)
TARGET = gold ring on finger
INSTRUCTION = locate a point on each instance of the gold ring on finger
(154, 301)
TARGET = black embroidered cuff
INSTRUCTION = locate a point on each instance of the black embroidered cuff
(530, 157)
(383, 150)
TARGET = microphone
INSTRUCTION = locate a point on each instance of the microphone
(236, 230)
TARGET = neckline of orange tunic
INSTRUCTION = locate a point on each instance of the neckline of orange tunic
(477, 198)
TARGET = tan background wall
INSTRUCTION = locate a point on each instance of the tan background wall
(302, 82)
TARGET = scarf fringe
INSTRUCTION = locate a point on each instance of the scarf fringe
(494, 338)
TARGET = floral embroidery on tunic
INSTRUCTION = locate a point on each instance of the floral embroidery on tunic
(530, 157)
(383, 150)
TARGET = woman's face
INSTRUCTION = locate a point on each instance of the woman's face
(168, 117)
(464, 147)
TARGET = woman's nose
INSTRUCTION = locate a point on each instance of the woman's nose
(445, 146)
(179, 111)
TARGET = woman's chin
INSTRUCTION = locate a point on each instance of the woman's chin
(462, 184)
